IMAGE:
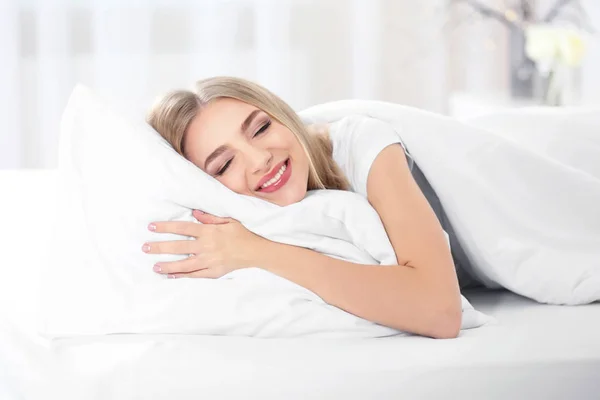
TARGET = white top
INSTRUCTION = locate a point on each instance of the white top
(357, 140)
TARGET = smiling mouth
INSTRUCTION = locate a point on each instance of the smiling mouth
(279, 179)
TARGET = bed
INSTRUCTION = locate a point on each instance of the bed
(532, 351)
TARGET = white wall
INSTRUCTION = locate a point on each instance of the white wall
(590, 82)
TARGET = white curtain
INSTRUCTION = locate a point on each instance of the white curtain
(306, 51)
(11, 135)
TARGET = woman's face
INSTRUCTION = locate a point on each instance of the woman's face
(247, 151)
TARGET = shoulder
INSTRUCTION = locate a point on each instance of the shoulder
(357, 140)
(358, 135)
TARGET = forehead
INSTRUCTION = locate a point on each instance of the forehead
(217, 123)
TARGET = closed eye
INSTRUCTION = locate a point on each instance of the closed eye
(263, 128)
(224, 168)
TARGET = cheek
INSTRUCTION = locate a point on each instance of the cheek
(302, 160)
(301, 173)
(295, 149)
(235, 180)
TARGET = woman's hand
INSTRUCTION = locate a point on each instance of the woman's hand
(220, 246)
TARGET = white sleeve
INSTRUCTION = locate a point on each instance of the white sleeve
(357, 141)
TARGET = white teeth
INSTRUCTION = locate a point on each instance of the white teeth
(275, 178)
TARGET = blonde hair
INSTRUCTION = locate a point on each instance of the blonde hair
(172, 114)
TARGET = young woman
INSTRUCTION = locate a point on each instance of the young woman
(255, 144)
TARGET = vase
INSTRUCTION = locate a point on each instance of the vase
(526, 83)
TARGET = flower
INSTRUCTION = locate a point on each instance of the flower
(547, 45)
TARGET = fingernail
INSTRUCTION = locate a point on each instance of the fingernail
(200, 212)
(152, 227)
(156, 268)
(171, 276)
(146, 248)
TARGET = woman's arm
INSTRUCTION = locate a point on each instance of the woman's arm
(421, 295)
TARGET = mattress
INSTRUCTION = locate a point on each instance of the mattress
(533, 351)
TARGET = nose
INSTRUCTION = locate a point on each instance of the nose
(260, 160)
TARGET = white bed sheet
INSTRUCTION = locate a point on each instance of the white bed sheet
(534, 351)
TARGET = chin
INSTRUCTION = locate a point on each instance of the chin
(291, 197)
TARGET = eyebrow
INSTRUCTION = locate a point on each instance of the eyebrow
(221, 149)
(249, 119)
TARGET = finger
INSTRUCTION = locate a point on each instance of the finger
(209, 218)
(178, 227)
(185, 266)
(208, 273)
(173, 247)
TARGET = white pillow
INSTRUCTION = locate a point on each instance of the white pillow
(117, 175)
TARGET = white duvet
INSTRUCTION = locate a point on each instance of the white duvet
(522, 190)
